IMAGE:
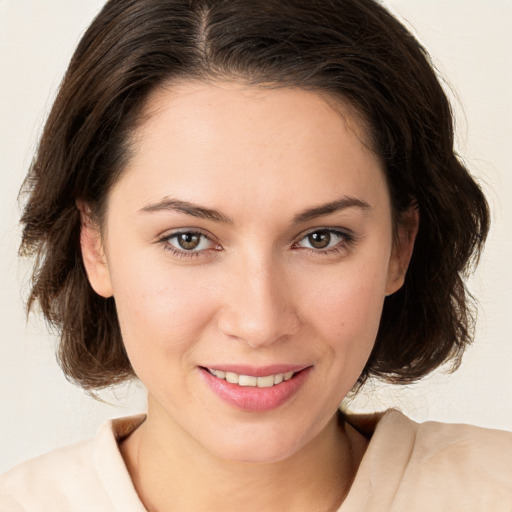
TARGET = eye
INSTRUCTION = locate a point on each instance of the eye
(188, 242)
(324, 239)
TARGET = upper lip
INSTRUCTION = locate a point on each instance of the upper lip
(258, 371)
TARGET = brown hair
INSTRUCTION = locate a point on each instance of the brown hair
(351, 49)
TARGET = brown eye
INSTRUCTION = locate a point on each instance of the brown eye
(319, 239)
(188, 241)
(325, 239)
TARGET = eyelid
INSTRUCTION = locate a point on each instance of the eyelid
(165, 238)
(347, 235)
(348, 238)
(169, 233)
(345, 232)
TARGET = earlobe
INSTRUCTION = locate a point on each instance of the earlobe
(403, 246)
(93, 253)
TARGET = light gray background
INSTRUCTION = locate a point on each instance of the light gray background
(471, 44)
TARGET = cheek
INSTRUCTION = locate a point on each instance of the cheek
(345, 308)
(158, 309)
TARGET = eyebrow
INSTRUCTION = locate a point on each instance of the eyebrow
(188, 208)
(216, 216)
(333, 207)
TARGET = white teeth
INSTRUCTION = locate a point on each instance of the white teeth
(232, 377)
(218, 373)
(247, 380)
(266, 382)
(250, 381)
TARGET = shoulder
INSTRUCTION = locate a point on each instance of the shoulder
(80, 477)
(61, 476)
(471, 462)
(434, 466)
(475, 446)
(438, 448)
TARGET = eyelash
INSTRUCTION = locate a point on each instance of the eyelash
(347, 240)
(182, 253)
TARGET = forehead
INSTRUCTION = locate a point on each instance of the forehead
(225, 140)
(217, 100)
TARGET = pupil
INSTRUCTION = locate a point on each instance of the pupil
(320, 239)
(188, 241)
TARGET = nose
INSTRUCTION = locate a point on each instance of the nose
(258, 306)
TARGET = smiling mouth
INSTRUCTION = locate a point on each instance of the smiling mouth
(267, 381)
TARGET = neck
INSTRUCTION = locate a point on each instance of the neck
(172, 472)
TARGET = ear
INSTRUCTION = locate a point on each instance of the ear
(93, 253)
(403, 245)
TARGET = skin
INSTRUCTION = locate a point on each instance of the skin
(256, 292)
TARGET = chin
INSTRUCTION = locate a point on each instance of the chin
(256, 446)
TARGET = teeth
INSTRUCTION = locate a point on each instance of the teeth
(250, 381)
(247, 380)
(232, 377)
(266, 382)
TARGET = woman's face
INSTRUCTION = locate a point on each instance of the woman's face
(249, 237)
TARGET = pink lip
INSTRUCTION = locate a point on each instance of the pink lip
(256, 399)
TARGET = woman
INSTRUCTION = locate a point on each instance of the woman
(253, 206)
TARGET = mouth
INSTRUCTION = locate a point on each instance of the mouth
(269, 389)
(266, 381)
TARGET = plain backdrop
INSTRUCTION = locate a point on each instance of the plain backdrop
(470, 43)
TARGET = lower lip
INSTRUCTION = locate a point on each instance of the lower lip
(255, 399)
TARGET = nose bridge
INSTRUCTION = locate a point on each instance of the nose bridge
(259, 305)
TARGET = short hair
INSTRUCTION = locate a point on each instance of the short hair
(354, 50)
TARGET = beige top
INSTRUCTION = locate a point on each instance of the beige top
(408, 467)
